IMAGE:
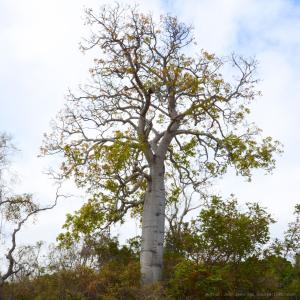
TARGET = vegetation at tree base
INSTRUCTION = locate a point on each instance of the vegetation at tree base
(223, 251)
(152, 115)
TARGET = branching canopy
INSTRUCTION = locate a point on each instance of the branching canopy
(147, 97)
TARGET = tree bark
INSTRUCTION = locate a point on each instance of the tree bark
(153, 226)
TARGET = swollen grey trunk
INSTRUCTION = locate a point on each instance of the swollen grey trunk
(153, 226)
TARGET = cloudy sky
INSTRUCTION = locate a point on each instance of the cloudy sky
(40, 60)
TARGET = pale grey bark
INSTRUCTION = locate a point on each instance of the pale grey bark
(153, 225)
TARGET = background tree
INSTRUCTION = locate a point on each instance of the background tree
(212, 253)
(289, 246)
(149, 108)
(222, 233)
(15, 210)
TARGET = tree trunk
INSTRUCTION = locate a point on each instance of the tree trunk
(153, 226)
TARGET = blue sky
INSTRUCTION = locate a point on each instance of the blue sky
(40, 60)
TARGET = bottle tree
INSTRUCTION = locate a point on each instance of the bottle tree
(150, 109)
